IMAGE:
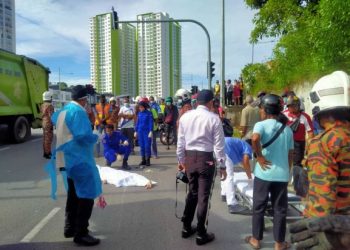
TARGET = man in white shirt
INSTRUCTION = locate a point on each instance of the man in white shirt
(127, 114)
(200, 135)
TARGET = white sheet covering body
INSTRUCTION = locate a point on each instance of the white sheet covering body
(120, 178)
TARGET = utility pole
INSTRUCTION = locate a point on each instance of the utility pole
(222, 89)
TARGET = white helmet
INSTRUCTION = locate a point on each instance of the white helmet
(183, 94)
(137, 99)
(47, 96)
(330, 92)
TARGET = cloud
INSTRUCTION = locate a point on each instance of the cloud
(48, 28)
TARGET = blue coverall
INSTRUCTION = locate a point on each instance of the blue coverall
(113, 144)
(144, 126)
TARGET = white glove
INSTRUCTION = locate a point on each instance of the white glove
(135, 134)
(150, 134)
(126, 143)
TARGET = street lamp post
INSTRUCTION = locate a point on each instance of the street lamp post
(59, 74)
(222, 89)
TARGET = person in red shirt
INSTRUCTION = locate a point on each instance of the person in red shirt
(301, 125)
(236, 92)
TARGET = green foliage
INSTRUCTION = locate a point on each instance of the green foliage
(62, 85)
(314, 39)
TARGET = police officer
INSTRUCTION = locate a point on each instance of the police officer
(114, 142)
(200, 135)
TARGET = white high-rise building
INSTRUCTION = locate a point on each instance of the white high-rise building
(113, 55)
(7, 25)
(159, 56)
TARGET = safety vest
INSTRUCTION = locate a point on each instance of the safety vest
(102, 113)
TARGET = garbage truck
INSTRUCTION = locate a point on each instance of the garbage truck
(23, 80)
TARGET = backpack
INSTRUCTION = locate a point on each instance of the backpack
(228, 129)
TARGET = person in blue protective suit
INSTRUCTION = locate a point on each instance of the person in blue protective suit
(75, 142)
(143, 131)
(115, 142)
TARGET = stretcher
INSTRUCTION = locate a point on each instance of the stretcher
(244, 194)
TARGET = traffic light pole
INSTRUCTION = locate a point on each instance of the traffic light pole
(183, 21)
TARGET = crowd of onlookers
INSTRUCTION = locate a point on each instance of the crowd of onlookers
(275, 132)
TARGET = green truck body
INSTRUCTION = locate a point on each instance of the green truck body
(22, 82)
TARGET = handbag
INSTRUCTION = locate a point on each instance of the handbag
(228, 129)
(295, 125)
(300, 181)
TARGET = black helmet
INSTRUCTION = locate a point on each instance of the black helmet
(272, 104)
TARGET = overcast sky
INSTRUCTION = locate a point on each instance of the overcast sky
(56, 32)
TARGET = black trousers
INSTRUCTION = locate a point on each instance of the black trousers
(279, 201)
(129, 133)
(201, 172)
(229, 97)
(299, 153)
(78, 211)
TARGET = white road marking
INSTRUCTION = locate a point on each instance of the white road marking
(40, 225)
(3, 149)
(34, 140)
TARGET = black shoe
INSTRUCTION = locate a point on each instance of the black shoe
(69, 233)
(125, 165)
(187, 232)
(47, 156)
(108, 164)
(86, 240)
(148, 161)
(142, 164)
(236, 209)
(204, 239)
(223, 198)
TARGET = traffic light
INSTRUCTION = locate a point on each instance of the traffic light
(212, 69)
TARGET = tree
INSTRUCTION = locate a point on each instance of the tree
(62, 85)
(314, 38)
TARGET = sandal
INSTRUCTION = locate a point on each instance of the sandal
(284, 245)
(248, 241)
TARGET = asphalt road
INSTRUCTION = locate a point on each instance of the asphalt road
(135, 218)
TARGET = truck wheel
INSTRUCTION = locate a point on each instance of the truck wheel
(20, 130)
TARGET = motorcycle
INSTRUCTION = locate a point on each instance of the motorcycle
(166, 135)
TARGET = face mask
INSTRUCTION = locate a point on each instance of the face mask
(168, 103)
(151, 102)
(127, 105)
